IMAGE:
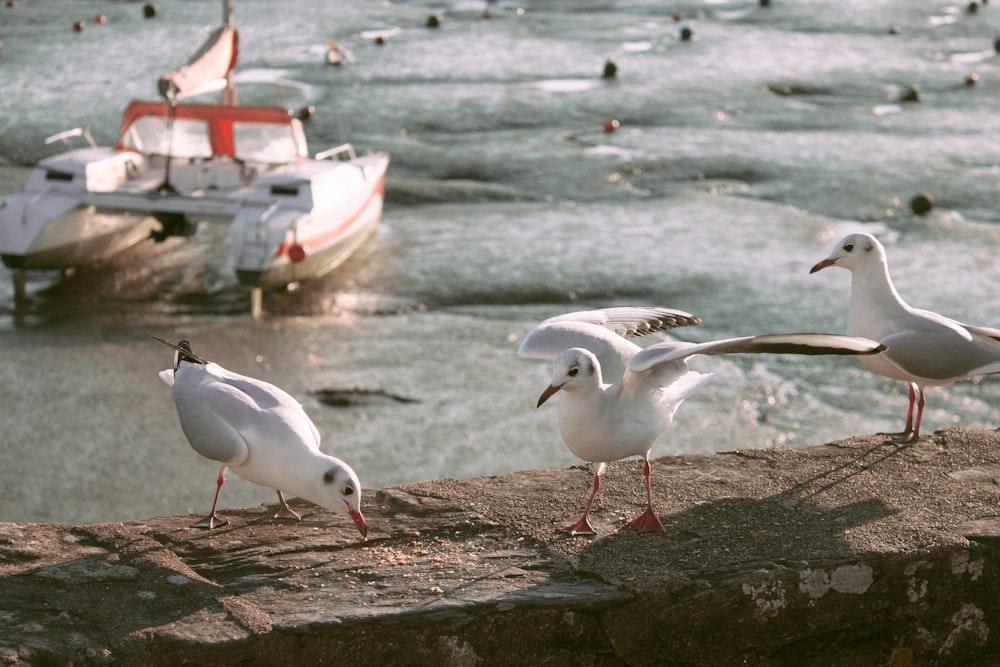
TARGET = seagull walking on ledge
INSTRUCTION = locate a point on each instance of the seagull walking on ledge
(619, 398)
(259, 431)
(925, 349)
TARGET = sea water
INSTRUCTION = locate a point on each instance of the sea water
(741, 155)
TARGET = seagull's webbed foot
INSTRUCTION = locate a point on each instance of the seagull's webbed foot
(211, 521)
(647, 522)
(286, 512)
(581, 527)
(901, 438)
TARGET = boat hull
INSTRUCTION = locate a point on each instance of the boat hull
(284, 272)
(315, 243)
(78, 236)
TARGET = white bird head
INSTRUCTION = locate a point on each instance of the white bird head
(853, 252)
(338, 489)
(575, 368)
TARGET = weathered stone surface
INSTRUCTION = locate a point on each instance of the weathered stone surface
(856, 552)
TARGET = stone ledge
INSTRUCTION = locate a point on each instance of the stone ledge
(855, 552)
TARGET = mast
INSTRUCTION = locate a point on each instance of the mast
(229, 19)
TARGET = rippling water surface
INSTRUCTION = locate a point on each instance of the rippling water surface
(741, 155)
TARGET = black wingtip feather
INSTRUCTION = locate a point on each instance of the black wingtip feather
(799, 348)
(671, 321)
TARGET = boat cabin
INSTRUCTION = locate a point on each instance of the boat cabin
(268, 135)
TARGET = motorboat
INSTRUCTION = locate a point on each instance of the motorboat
(176, 164)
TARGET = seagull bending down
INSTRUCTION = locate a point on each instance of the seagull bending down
(619, 398)
(925, 349)
(259, 431)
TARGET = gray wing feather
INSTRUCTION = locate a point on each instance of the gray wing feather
(267, 397)
(207, 420)
(942, 355)
(223, 414)
(984, 332)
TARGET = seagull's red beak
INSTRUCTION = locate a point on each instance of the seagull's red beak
(822, 265)
(359, 521)
(547, 394)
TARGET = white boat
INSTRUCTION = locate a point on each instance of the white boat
(176, 164)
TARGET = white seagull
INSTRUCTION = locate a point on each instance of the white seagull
(925, 349)
(619, 398)
(259, 431)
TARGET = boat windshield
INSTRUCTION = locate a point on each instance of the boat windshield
(191, 138)
(150, 135)
(265, 142)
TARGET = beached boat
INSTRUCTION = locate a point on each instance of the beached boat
(176, 164)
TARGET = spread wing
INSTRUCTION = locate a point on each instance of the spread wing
(666, 359)
(604, 332)
(800, 343)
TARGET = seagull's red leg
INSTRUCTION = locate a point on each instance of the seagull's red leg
(647, 522)
(906, 435)
(583, 526)
(909, 413)
(286, 512)
(914, 435)
(213, 519)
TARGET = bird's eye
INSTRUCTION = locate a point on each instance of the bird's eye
(849, 247)
(328, 477)
(348, 490)
(573, 372)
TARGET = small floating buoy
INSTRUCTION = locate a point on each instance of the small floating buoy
(922, 203)
(610, 125)
(677, 16)
(610, 68)
(150, 10)
(78, 26)
(973, 7)
(894, 30)
(100, 18)
(686, 34)
(972, 79)
(434, 21)
(911, 94)
(381, 39)
(306, 112)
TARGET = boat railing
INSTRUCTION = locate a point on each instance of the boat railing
(66, 135)
(336, 151)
